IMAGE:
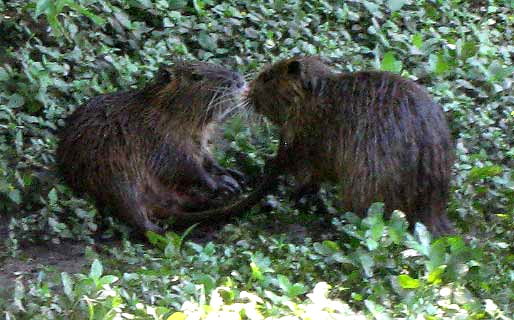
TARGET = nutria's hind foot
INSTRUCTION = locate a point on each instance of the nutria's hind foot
(236, 174)
(150, 226)
(141, 221)
(305, 190)
(443, 226)
(215, 169)
(439, 224)
(226, 182)
(307, 196)
(217, 183)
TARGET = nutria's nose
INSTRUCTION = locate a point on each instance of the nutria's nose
(245, 90)
(238, 80)
(240, 84)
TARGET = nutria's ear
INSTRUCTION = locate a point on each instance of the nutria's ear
(294, 67)
(310, 84)
(163, 75)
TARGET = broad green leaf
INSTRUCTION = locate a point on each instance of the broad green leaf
(256, 272)
(499, 72)
(171, 250)
(468, 49)
(292, 290)
(42, 6)
(484, 172)
(296, 290)
(199, 6)
(367, 263)
(96, 19)
(4, 75)
(185, 234)
(397, 227)
(108, 279)
(438, 64)
(177, 316)
(457, 244)
(96, 270)
(15, 196)
(407, 282)
(373, 8)
(123, 18)
(206, 41)
(16, 100)
(389, 63)
(208, 281)
(67, 284)
(283, 282)
(157, 240)
(375, 222)
(379, 312)
(177, 4)
(437, 254)
(424, 237)
(331, 245)
(395, 5)
(435, 275)
(56, 26)
(417, 40)
(52, 197)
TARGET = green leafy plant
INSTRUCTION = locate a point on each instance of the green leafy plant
(52, 9)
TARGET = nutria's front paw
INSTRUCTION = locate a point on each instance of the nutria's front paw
(236, 174)
(228, 184)
(150, 226)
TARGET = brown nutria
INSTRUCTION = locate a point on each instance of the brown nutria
(143, 152)
(378, 135)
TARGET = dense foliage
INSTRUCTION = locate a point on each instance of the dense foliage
(54, 55)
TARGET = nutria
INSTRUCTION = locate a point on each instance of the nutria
(378, 135)
(143, 153)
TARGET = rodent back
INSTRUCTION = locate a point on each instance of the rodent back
(373, 121)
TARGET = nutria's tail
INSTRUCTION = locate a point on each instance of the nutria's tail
(237, 208)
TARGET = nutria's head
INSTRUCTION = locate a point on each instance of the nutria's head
(286, 85)
(199, 90)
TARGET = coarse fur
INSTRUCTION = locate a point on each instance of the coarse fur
(144, 153)
(378, 135)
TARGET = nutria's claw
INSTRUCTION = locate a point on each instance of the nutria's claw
(229, 184)
(236, 174)
(209, 182)
(150, 226)
(219, 170)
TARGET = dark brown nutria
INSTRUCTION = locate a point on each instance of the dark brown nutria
(378, 135)
(143, 153)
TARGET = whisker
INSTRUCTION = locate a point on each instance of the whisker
(250, 76)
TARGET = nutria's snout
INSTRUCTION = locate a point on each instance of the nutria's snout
(231, 80)
(239, 85)
(245, 90)
(253, 92)
(240, 81)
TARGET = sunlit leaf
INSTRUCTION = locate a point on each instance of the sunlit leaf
(389, 63)
(96, 269)
(395, 5)
(407, 282)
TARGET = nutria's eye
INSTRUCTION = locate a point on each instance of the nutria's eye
(266, 77)
(196, 77)
(294, 67)
(163, 75)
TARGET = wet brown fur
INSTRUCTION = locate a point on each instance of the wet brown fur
(378, 135)
(143, 152)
